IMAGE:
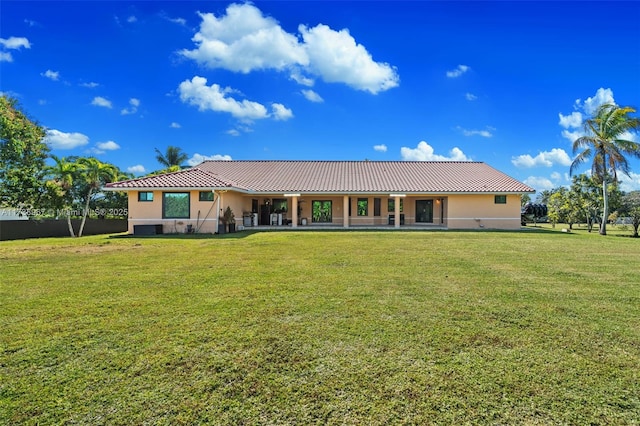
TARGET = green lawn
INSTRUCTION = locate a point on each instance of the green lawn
(532, 327)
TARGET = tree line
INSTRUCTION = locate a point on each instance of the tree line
(67, 187)
(581, 203)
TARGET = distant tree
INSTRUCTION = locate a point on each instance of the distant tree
(112, 201)
(62, 175)
(586, 198)
(94, 174)
(605, 146)
(526, 198)
(574, 211)
(543, 197)
(22, 156)
(557, 206)
(76, 181)
(631, 209)
(173, 157)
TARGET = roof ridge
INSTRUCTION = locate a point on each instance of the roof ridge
(340, 161)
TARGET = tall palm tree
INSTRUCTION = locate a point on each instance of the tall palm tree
(606, 145)
(63, 172)
(95, 174)
(173, 156)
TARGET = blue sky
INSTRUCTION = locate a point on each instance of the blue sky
(506, 83)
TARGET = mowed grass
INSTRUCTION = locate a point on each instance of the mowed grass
(533, 327)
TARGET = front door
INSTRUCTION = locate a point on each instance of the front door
(424, 211)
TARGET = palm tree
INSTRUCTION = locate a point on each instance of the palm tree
(62, 173)
(606, 145)
(95, 174)
(174, 156)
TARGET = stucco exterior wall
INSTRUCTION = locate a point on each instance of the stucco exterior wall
(481, 211)
(203, 215)
(464, 211)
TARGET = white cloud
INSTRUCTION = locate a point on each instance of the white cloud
(280, 112)
(15, 43)
(539, 183)
(301, 79)
(214, 98)
(131, 19)
(312, 96)
(233, 132)
(133, 108)
(455, 73)
(198, 158)
(572, 120)
(101, 102)
(556, 176)
(61, 140)
(424, 152)
(107, 146)
(102, 147)
(543, 159)
(602, 96)
(245, 40)
(634, 137)
(137, 169)
(12, 43)
(572, 136)
(380, 148)
(175, 125)
(52, 75)
(90, 85)
(470, 96)
(629, 183)
(337, 58)
(484, 133)
(179, 21)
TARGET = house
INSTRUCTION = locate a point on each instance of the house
(428, 194)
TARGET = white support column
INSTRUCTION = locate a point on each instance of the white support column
(294, 206)
(345, 211)
(396, 203)
(294, 212)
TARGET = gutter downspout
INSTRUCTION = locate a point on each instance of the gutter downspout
(218, 215)
(208, 213)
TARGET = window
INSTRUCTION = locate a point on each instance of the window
(376, 206)
(500, 199)
(321, 211)
(279, 205)
(363, 207)
(175, 205)
(145, 196)
(205, 196)
(392, 205)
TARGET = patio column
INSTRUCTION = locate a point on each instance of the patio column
(396, 209)
(396, 203)
(345, 211)
(294, 207)
(294, 213)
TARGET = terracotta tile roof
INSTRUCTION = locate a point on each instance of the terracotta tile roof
(188, 178)
(339, 177)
